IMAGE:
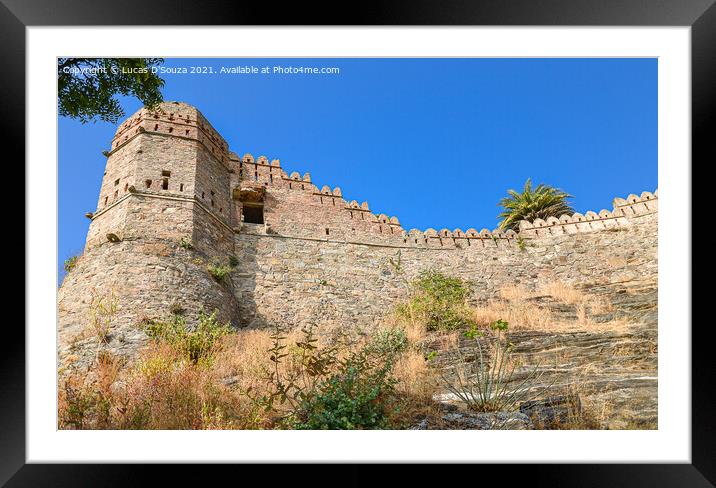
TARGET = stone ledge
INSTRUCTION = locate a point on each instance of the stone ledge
(146, 131)
(138, 193)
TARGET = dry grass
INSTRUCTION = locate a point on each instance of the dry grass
(411, 322)
(582, 319)
(584, 410)
(593, 407)
(103, 308)
(108, 369)
(517, 306)
(569, 295)
(162, 389)
(416, 386)
(415, 331)
(520, 315)
(514, 293)
(600, 305)
(415, 378)
(562, 292)
(244, 357)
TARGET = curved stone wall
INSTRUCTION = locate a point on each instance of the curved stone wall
(148, 278)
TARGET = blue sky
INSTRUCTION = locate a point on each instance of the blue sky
(435, 142)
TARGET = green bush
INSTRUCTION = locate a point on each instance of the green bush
(521, 243)
(291, 386)
(70, 263)
(388, 341)
(331, 387)
(233, 261)
(185, 242)
(359, 395)
(218, 271)
(197, 343)
(439, 300)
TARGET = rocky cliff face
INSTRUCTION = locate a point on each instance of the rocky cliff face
(608, 359)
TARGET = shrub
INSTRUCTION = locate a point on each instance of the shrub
(185, 242)
(233, 261)
(483, 379)
(203, 378)
(218, 271)
(330, 387)
(75, 404)
(388, 341)
(175, 308)
(103, 308)
(439, 300)
(197, 343)
(521, 243)
(70, 263)
(359, 395)
(287, 382)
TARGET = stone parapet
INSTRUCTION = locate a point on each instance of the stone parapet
(622, 215)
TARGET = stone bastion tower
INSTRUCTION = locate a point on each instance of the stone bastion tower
(163, 214)
(167, 177)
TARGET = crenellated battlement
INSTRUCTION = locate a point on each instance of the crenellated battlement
(324, 213)
(175, 119)
(243, 191)
(624, 209)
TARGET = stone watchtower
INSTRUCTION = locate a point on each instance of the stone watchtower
(164, 212)
(167, 177)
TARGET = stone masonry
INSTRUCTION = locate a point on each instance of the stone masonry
(175, 198)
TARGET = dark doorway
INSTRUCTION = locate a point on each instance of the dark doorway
(253, 214)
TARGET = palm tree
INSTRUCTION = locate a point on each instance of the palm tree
(539, 203)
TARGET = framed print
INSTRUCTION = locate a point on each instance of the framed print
(429, 237)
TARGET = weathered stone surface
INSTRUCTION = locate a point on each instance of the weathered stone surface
(147, 278)
(616, 369)
(297, 281)
(553, 409)
(455, 419)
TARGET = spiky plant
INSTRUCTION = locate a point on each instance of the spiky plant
(484, 377)
(538, 203)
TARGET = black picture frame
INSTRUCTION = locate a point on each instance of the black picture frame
(16, 15)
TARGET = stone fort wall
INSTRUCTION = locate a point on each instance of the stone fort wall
(317, 257)
(297, 281)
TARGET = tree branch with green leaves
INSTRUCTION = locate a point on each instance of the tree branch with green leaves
(87, 87)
